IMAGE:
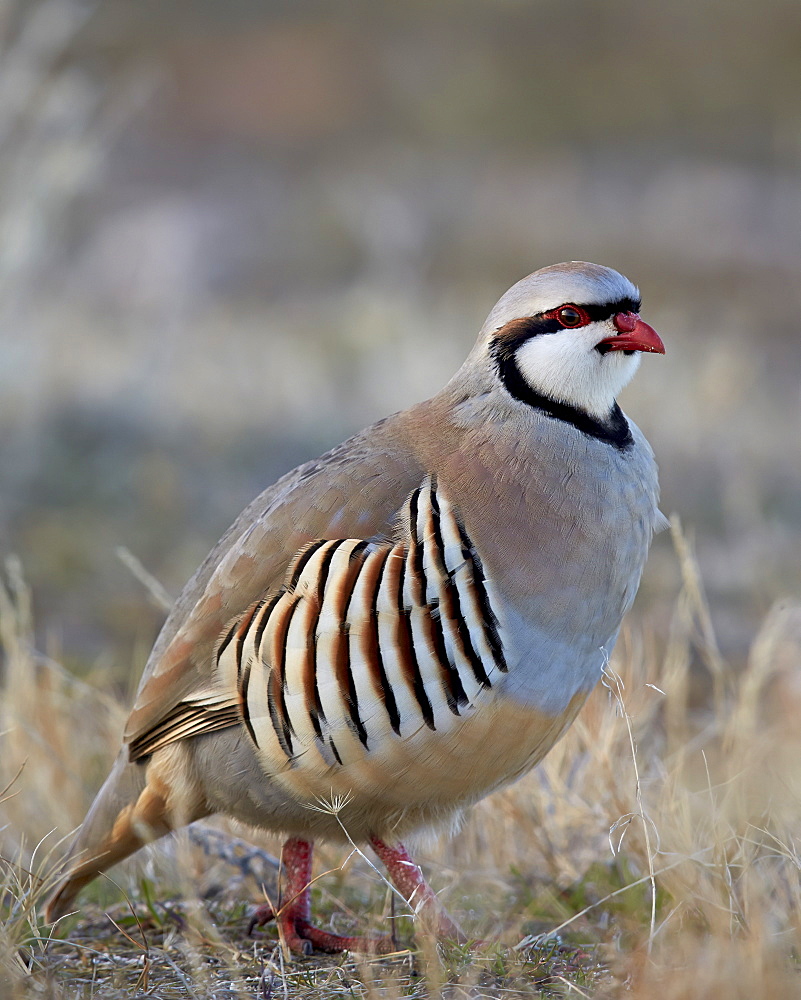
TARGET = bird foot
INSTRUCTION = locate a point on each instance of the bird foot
(302, 937)
(293, 913)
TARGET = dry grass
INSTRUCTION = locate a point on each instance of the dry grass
(653, 852)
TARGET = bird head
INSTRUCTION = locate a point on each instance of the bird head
(569, 334)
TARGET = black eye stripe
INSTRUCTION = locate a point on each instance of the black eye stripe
(608, 309)
(510, 337)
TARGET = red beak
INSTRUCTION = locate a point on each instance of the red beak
(634, 335)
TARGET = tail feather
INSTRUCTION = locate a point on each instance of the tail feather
(132, 808)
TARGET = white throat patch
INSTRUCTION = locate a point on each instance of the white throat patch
(566, 367)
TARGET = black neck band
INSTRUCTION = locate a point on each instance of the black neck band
(614, 431)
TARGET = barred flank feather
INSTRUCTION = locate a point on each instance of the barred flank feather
(373, 638)
(367, 640)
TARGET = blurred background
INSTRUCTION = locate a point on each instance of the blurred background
(233, 233)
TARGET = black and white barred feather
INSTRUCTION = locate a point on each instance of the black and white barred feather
(366, 642)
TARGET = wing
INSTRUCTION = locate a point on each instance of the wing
(364, 644)
(355, 490)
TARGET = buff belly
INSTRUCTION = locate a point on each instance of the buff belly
(407, 783)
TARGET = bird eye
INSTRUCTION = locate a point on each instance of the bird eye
(569, 316)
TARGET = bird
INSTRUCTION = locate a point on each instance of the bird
(398, 628)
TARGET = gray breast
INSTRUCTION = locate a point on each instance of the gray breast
(580, 522)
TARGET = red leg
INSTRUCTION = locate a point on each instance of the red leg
(409, 881)
(293, 916)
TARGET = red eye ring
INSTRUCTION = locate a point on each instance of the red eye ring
(569, 316)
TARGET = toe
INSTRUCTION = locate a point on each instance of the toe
(261, 915)
(332, 943)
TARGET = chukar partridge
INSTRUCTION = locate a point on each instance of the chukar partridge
(410, 621)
